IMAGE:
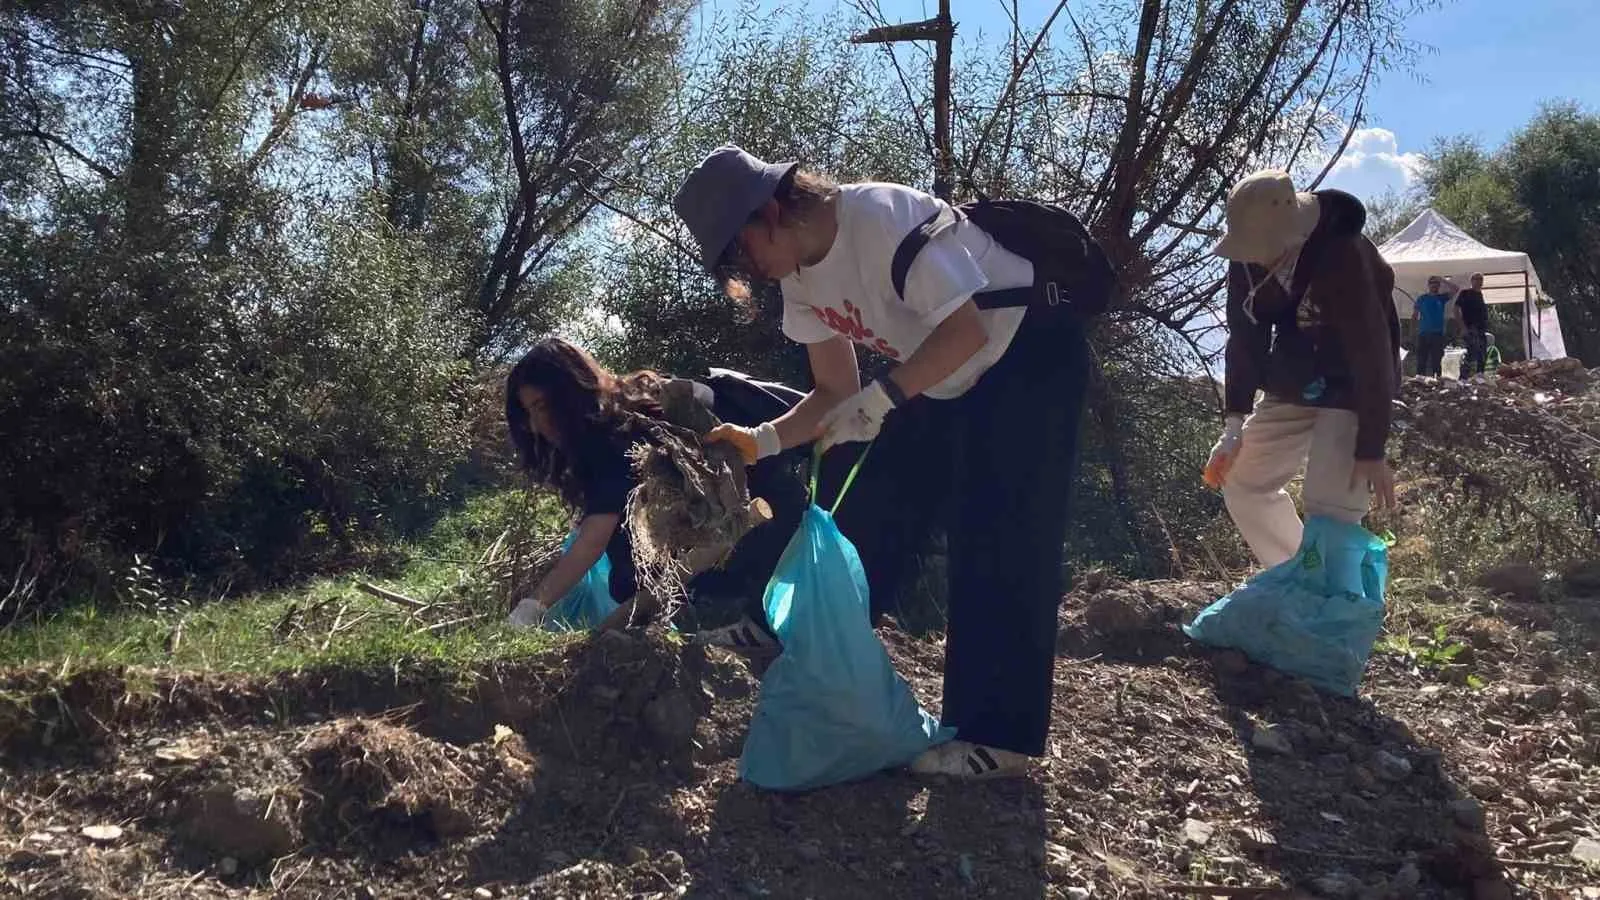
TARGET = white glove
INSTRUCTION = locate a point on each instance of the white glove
(1224, 450)
(530, 613)
(753, 444)
(856, 419)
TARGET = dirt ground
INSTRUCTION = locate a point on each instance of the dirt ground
(610, 770)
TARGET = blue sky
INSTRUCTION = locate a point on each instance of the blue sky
(1487, 67)
(1491, 63)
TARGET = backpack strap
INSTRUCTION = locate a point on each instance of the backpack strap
(932, 227)
(912, 244)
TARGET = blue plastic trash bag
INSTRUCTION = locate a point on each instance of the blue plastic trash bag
(1315, 616)
(588, 603)
(832, 708)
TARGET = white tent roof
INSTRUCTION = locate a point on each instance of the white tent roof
(1434, 245)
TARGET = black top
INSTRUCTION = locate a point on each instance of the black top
(607, 479)
(1474, 312)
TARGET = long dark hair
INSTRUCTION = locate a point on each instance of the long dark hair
(589, 407)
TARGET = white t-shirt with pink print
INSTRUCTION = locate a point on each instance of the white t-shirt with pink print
(851, 292)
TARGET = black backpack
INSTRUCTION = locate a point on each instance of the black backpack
(747, 401)
(1070, 270)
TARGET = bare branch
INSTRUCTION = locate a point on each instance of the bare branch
(49, 139)
(1011, 86)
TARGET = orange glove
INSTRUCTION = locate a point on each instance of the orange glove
(753, 444)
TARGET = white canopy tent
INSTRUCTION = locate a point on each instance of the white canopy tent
(1434, 245)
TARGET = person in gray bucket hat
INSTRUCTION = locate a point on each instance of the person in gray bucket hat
(721, 193)
(994, 451)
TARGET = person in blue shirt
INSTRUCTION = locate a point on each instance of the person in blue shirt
(1428, 311)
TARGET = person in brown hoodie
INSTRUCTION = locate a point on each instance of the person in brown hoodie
(1311, 325)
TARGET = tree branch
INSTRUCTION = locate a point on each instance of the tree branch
(1011, 86)
(49, 139)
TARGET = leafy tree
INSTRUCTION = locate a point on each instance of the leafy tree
(252, 251)
(582, 84)
(1537, 194)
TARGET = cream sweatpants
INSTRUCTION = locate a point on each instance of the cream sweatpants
(1280, 438)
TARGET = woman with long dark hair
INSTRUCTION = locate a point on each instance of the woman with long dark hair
(573, 423)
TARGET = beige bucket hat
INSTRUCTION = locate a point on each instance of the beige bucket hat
(1266, 218)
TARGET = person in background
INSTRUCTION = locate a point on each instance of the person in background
(1491, 354)
(1473, 313)
(1428, 311)
(1311, 325)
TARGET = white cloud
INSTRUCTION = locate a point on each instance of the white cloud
(1373, 165)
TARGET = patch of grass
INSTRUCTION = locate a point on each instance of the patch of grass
(463, 535)
(244, 636)
(258, 633)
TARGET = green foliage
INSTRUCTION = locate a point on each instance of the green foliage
(1429, 652)
(149, 622)
(242, 636)
(254, 254)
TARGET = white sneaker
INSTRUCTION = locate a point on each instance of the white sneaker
(961, 759)
(744, 635)
(528, 614)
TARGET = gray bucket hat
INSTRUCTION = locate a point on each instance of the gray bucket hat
(720, 194)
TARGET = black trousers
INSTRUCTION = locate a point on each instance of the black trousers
(1430, 354)
(996, 467)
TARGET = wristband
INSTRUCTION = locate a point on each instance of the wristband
(892, 391)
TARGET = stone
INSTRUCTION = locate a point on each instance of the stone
(810, 851)
(1390, 767)
(1587, 851)
(1468, 812)
(1519, 581)
(102, 834)
(240, 823)
(1437, 593)
(636, 855)
(1486, 789)
(1546, 698)
(228, 866)
(671, 719)
(1079, 893)
(1196, 833)
(1271, 740)
(1313, 737)
(483, 893)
